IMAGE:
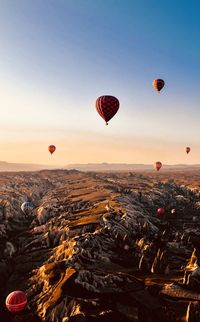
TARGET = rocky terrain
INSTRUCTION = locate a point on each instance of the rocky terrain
(94, 249)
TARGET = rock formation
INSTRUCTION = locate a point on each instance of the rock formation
(94, 249)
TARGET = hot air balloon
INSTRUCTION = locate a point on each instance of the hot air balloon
(157, 165)
(187, 149)
(27, 207)
(107, 106)
(16, 301)
(52, 148)
(158, 84)
(160, 211)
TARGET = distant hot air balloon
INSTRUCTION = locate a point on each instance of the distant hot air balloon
(187, 149)
(16, 301)
(160, 211)
(158, 84)
(157, 165)
(107, 106)
(52, 148)
(27, 207)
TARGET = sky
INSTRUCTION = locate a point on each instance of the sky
(58, 56)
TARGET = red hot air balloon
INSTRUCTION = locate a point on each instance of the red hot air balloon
(107, 106)
(187, 149)
(160, 211)
(157, 165)
(16, 301)
(52, 148)
(158, 84)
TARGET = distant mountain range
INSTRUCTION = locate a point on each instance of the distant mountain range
(125, 166)
(6, 166)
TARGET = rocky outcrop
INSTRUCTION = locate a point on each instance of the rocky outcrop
(94, 249)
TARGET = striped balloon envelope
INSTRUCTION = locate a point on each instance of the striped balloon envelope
(52, 148)
(158, 84)
(107, 106)
(16, 301)
(157, 165)
(187, 149)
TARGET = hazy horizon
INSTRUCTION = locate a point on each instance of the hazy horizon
(98, 163)
(57, 57)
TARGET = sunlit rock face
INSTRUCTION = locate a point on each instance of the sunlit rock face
(94, 249)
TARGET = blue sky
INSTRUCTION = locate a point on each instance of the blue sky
(57, 57)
